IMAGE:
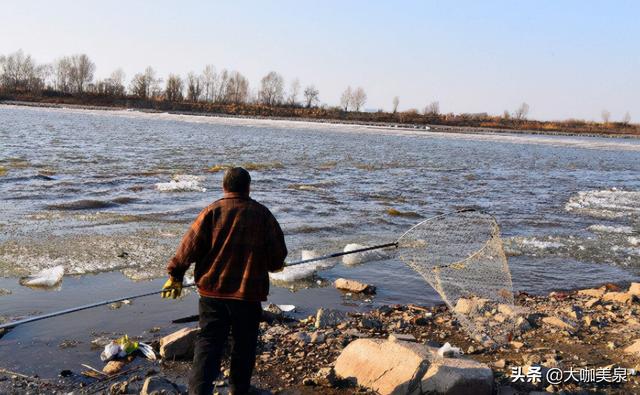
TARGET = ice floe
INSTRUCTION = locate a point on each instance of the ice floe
(303, 270)
(361, 257)
(46, 278)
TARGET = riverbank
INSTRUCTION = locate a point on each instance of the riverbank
(389, 125)
(592, 330)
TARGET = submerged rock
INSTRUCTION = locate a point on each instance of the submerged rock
(354, 286)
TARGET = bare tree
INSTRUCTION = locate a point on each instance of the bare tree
(294, 91)
(606, 115)
(271, 89)
(174, 87)
(145, 85)
(62, 74)
(194, 87)
(521, 113)
(626, 120)
(432, 109)
(209, 82)
(396, 102)
(346, 99)
(81, 72)
(237, 88)
(20, 73)
(116, 82)
(112, 86)
(358, 98)
(311, 96)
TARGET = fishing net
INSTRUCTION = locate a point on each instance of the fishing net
(460, 255)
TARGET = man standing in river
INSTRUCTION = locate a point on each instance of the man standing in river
(234, 243)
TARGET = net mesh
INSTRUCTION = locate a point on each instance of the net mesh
(460, 255)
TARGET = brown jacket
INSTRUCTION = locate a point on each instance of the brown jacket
(234, 243)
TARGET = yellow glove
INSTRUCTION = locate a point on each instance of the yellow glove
(172, 288)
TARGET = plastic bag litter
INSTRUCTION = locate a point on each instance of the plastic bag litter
(124, 346)
(449, 351)
(147, 350)
(112, 350)
(45, 278)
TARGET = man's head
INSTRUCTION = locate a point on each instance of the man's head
(236, 179)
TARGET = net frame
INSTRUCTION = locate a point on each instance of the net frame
(480, 297)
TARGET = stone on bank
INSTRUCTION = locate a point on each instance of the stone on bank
(400, 367)
(179, 344)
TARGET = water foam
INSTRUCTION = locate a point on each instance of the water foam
(610, 229)
(182, 183)
(609, 203)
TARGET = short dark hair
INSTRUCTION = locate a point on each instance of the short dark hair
(236, 179)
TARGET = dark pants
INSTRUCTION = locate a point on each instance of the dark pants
(217, 317)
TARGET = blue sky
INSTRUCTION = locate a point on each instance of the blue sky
(566, 59)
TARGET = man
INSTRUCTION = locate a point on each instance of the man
(234, 243)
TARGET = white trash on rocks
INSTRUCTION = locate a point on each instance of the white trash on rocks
(447, 350)
(111, 351)
(45, 278)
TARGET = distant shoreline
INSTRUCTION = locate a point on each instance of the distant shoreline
(333, 121)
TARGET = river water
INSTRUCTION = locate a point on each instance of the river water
(100, 191)
(108, 194)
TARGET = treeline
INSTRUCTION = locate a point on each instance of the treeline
(71, 80)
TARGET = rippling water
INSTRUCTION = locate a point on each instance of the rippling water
(114, 190)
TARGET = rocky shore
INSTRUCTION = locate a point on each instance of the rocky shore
(589, 339)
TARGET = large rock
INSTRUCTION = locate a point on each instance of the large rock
(618, 297)
(634, 289)
(470, 306)
(558, 323)
(458, 376)
(354, 286)
(399, 367)
(156, 385)
(592, 292)
(633, 348)
(384, 366)
(328, 317)
(180, 344)
(113, 367)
